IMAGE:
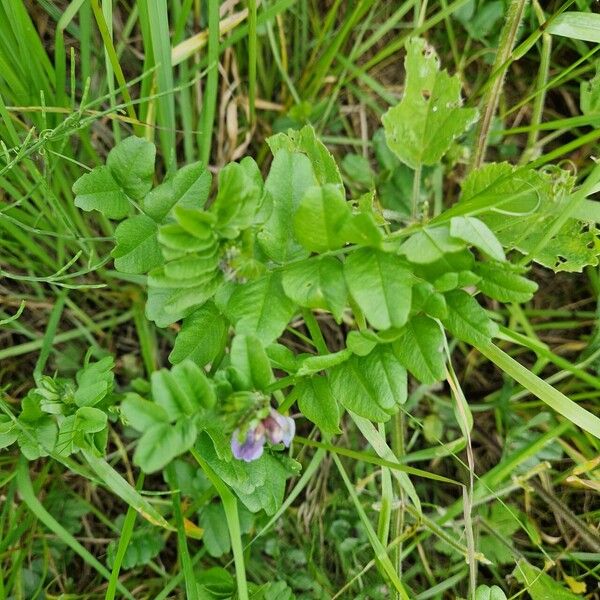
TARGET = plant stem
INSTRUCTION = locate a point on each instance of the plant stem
(416, 192)
(542, 84)
(398, 428)
(252, 60)
(233, 524)
(490, 100)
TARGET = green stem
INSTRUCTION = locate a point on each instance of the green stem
(126, 533)
(416, 192)
(315, 331)
(252, 60)
(490, 101)
(398, 429)
(233, 524)
(191, 588)
(541, 84)
(212, 81)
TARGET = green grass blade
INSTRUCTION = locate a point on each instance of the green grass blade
(158, 18)
(252, 59)
(379, 549)
(123, 490)
(545, 392)
(27, 494)
(212, 80)
(583, 26)
(113, 58)
(126, 533)
(233, 523)
(191, 588)
(50, 334)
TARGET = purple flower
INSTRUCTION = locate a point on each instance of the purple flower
(275, 427)
(279, 428)
(252, 447)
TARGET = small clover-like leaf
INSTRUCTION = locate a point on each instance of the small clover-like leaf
(318, 404)
(94, 382)
(589, 97)
(320, 219)
(137, 249)
(189, 188)
(430, 245)
(131, 163)
(420, 348)
(290, 176)
(202, 336)
(381, 286)
(478, 234)
(141, 414)
(98, 190)
(162, 443)
(421, 128)
(372, 386)
(317, 283)
(467, 319)
(260, 308)
(251, 361)
(503, 282)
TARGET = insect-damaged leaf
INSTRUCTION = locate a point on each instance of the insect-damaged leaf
(421, 128)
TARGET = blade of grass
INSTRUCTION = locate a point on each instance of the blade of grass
(125, 538)
(47, 340)
(252, 60)
(378, 548)
(113, 59)
(545, 392)
(233, 524)
(158, 18)
(209, 100)
(123, 490)
(191, 588)
(35, 506)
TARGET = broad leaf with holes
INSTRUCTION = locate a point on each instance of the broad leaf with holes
(98, 190)
(306, 142)
(430, 116)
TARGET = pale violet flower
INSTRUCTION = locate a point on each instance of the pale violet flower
(252, 447)
(275, 428)
(279, 428)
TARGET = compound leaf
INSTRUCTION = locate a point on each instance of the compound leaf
(137, 249)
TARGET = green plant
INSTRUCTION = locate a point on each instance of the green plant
(237, 269)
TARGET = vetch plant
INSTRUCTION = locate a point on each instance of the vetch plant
(244, 270)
